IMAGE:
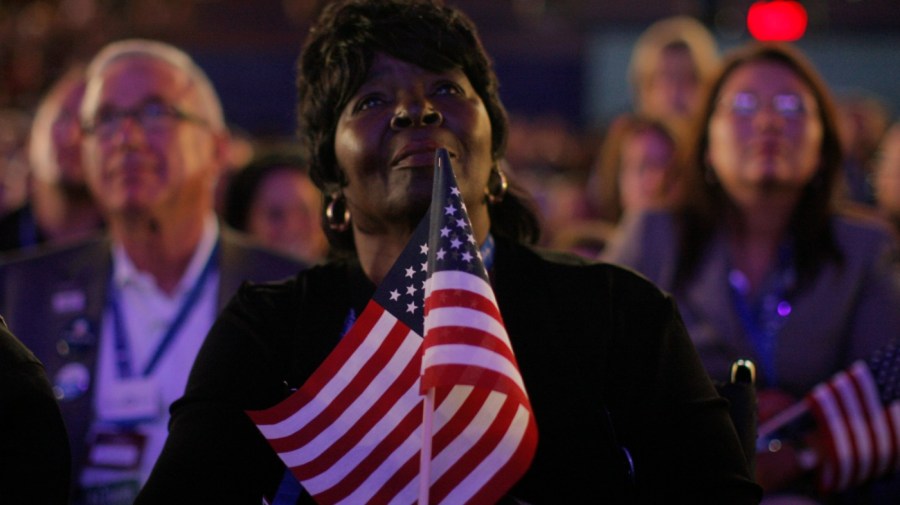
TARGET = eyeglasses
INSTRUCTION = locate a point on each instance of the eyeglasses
(787, 105)
(154, 116)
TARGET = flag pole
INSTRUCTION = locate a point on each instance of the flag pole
(425, 454)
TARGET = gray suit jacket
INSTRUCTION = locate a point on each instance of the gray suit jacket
(54, 302)
(847, 313)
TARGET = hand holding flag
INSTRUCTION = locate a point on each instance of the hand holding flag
(857, 412)
(353, 432)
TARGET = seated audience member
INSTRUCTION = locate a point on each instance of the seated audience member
(887, 177)
(118, 319)
(671, 62)
(863, 120)
(34, 448)
(636, 169)
(760, 261)
(60, 207)
(612, 379)
(273, 200)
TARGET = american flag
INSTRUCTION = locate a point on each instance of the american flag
(858, 412)
(352, 433)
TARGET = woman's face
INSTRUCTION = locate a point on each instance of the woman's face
(284, 214)
(647, 159)
(765, 133)
(387, 136)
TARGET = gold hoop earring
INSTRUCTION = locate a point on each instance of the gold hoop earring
(333, 210)
(497, 186)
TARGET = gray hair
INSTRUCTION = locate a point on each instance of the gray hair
(155, 50)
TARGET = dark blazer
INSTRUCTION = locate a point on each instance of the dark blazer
(603, 354)
(846, 313)
(55, 301)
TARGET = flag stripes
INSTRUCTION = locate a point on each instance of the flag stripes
(861, 434)
(353, 432)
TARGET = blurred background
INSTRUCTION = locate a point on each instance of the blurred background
(559, 60)
(563, 64)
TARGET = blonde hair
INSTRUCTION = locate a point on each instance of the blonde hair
(678, 31)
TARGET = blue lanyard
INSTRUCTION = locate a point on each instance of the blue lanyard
(764, 319)
(487, 252)
(121, 337)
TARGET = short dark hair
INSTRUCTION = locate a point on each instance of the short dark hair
(336, 59)
(243, 185)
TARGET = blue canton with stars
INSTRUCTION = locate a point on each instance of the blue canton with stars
(451, 245)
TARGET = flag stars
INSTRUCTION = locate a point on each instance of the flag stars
(410, 271)
(424, 249)
(441, 253)
(445, 232)
(461, 223)
(455, 243)
(395, 295)
(450, 210)
(411, 307)
(410, 290)
(455, 191)
(425, 266)
(467, 257)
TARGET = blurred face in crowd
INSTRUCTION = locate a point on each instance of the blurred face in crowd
(284, 214)
(647, 160)
(148, 148)
(389, 131)
(56, 137)
(673, 88)
(887, 174)
(765, 133)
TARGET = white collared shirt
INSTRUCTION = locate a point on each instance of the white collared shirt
(147, 312)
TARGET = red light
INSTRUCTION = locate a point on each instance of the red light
(782, 20)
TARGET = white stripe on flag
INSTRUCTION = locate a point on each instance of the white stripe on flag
(494, 461)
(877, 416)
(861, 458)
(465, 318)
(360, 405)
(471, 355)
(409, 401)
(442, 462)
(837, 428)
(335, 385)
(456, 279)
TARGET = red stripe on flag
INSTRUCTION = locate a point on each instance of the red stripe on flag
(470, 336)
(475, 454)
(441, 298)
(460, 419)
(405, 381)
(386, 349)
(861, 473)
(325, 372)
(403, 430)
(478, 377)
(514, 469)
(845, 462)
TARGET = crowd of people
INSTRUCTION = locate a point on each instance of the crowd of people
(169, 282)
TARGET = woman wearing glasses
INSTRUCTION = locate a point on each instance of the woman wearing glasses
(762, 263)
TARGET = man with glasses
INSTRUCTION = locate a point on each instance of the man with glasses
(118, 321)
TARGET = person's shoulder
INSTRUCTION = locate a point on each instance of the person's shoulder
(242, 244)
(858, 229)
(88, 250)
(587, 275)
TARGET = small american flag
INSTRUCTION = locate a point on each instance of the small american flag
(352, 433)
(858, 411)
